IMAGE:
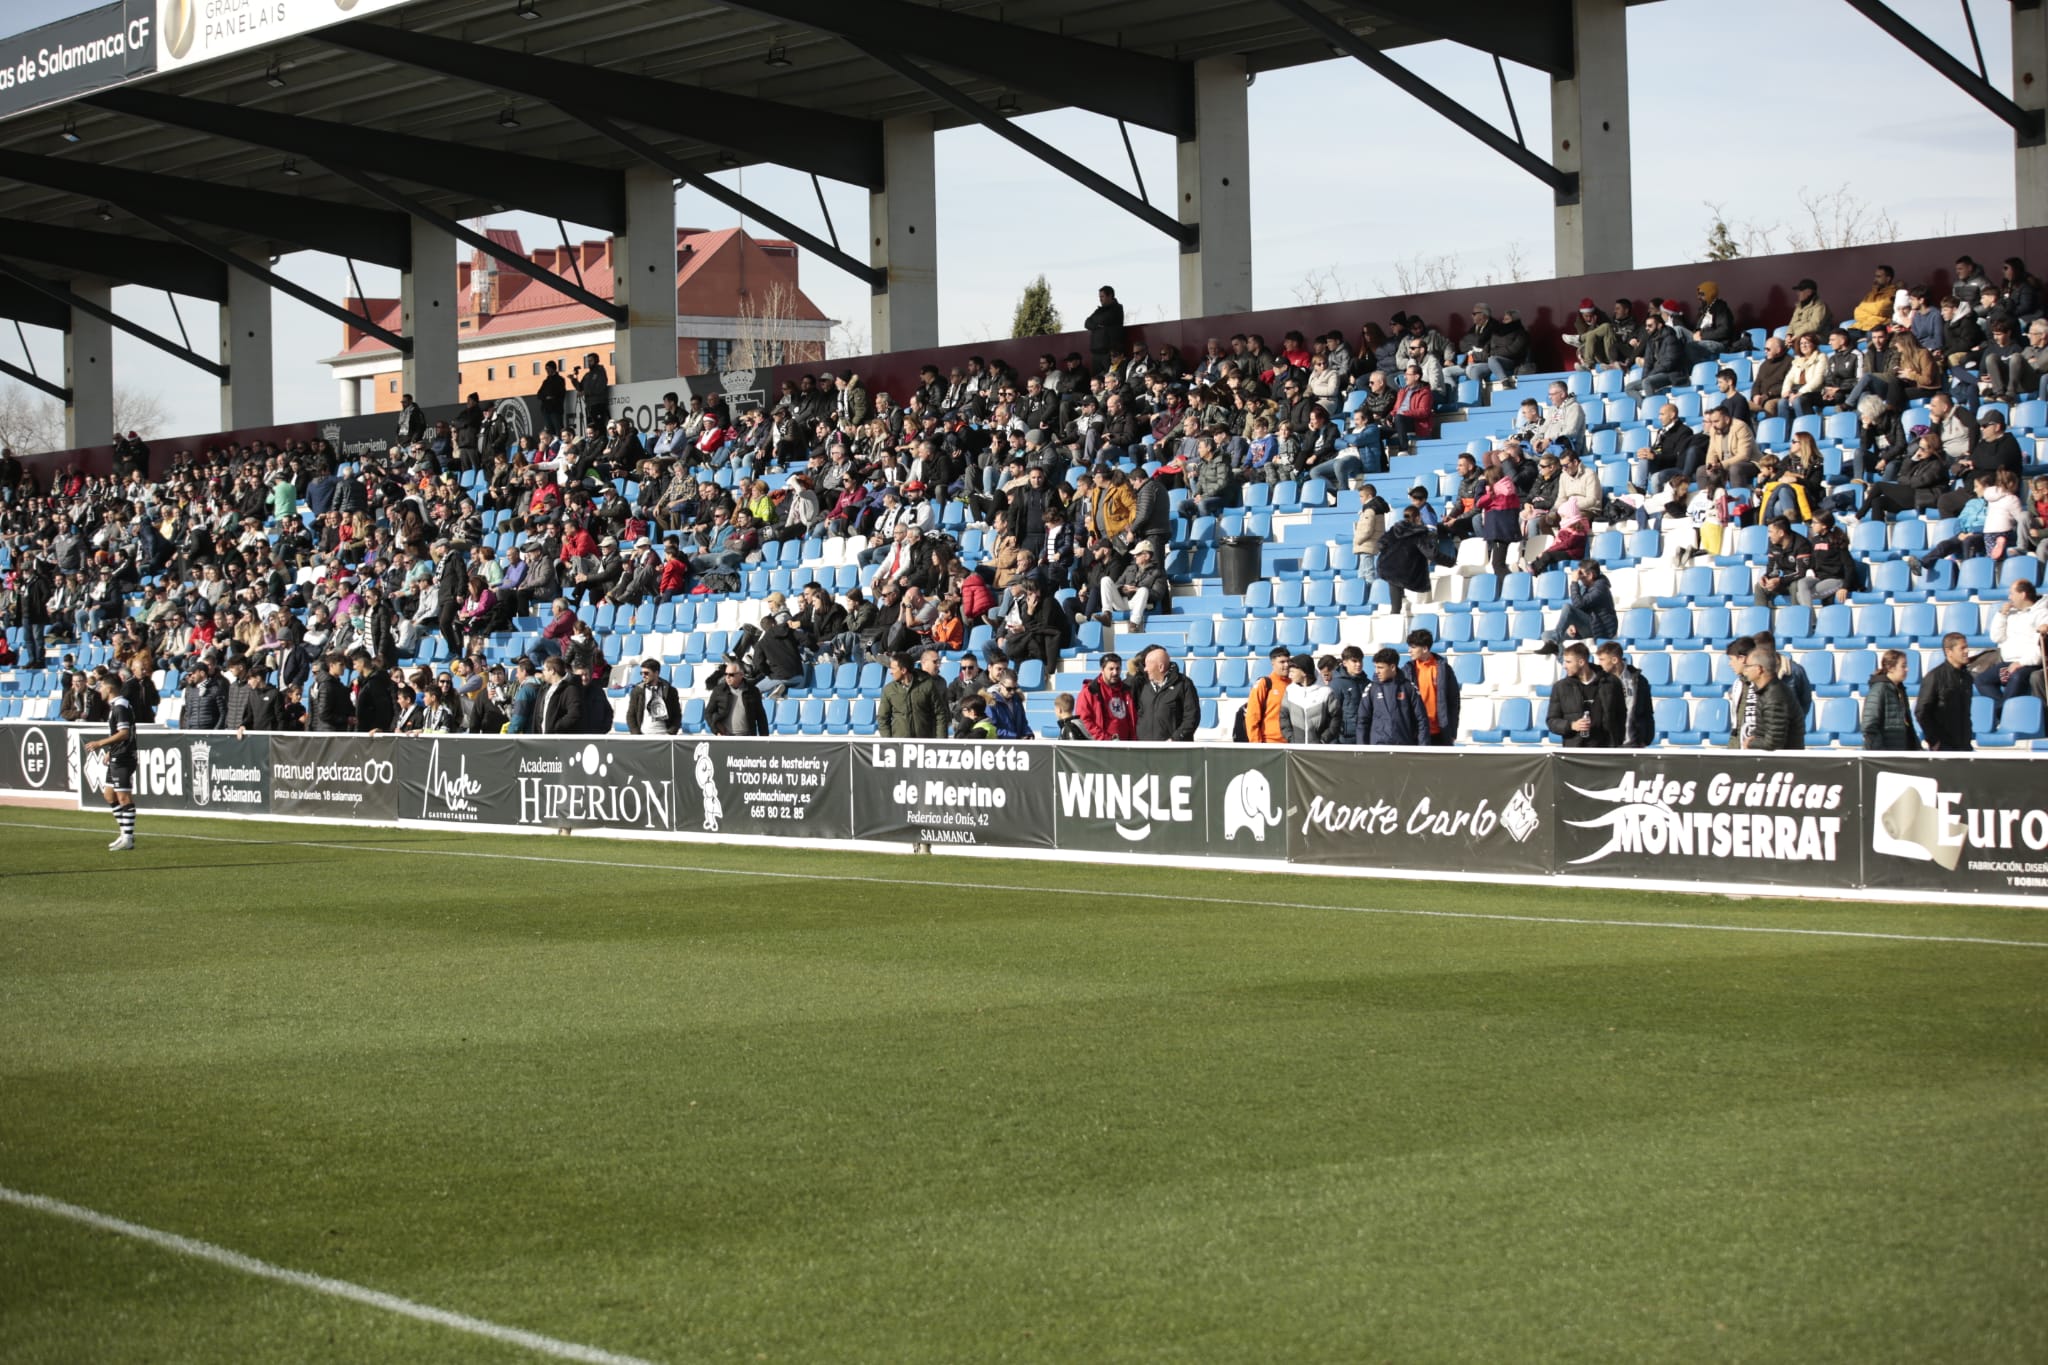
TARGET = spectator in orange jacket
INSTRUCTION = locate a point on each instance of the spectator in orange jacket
(1262, 712)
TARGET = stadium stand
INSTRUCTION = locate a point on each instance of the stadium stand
(1853, 492)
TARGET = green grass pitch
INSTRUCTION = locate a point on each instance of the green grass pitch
(893, 1109)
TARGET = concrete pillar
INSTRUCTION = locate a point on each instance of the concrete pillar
(904, 240)
(89, 370)
(1589, 134)
(644, 279)
(1215, 191)
(351, 398)
(2030, 91)
(427, 296)
(245, 395)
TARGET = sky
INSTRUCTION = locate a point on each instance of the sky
(1351, 178)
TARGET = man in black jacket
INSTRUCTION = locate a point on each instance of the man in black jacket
(1788, 572)
(206, 699)
(560, 709)
(1943, 708)
(1585, 704)
(328, 707)
(412, 421)
(376, 695)
(735, 706)
(450, 582)
(1638, 719)
(1105, 328)
(1168, 708)
(1138, 589)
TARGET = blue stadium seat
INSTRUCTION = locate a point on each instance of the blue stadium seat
(1229, 634)
(1673, 717)
(862, 716)
(1258, 634)
(1231, 675)
(1637, 625)
(1202, 673)
(2022, 718)
(1318, 594)
(1694, 672)
(1655, 666)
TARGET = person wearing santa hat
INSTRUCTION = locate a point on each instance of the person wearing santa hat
(1593, 336)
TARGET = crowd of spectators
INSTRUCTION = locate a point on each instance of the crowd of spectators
(207, 567)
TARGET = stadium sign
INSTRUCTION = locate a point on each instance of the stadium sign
(1173, 799)
(1940, 825)
(610, 782)
(970, 792)
(1421, 809)
(763, 787)
(192, 31)
(77, 56)
(1786, 818)
(32, 759)
(200, 772)
(338, 777)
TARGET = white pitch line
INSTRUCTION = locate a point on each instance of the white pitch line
(318, 1284)
(1232, 901)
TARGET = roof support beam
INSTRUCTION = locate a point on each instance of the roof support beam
(505, 256)
(844, 148)
(557, 189)
(29, 306)
(731, 198)
(35, 381)
(1535, 33)
(1565, 184)
(107, 315)
(1153, 92)
(156, 265)
(342, 229)
(1184, 233)
(231, 260)
(2027, 124)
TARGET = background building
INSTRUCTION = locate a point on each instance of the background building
(739, 303)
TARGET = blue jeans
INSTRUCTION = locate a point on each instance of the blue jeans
(1574, 616)
(2018, 685)
(1339, 470)
(32, 655)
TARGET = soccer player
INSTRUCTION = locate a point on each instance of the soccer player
(120, 746)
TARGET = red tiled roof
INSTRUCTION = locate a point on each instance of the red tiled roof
(525, 304)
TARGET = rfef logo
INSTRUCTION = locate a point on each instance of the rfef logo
(38, 758)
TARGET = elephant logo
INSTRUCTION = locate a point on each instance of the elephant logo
(1248, 805)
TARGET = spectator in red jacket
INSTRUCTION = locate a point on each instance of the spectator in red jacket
(1107, 710)
(1414, 409)
(675, 574)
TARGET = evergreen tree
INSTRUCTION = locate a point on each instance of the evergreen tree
(1036, 316)
(1721, 244)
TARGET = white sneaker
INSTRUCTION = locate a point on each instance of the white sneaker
(117, 839)
(122, 844)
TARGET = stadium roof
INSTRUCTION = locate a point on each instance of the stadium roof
(472, 106)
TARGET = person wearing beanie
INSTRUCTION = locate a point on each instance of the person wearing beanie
(1716, 331)
(1593, 335)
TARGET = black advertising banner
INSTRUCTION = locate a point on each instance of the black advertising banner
(1957, 824)
(762, 786)
(614, 782)
(75, 56)
(457, 781)
(201, 772)
(1421, 809)
(337, 777)
(978, 792)
(32, 757)
(1720, 816)
(1177, 799)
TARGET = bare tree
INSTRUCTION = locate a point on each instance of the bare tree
(1320, 285)
(1838, 218)
(1513, 268)
(767, 331)
(1728, 239)
(1421, 274)
(30, 423)
(140, 411)
(846, 340)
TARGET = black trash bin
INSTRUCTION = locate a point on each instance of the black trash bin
(1240, 560)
